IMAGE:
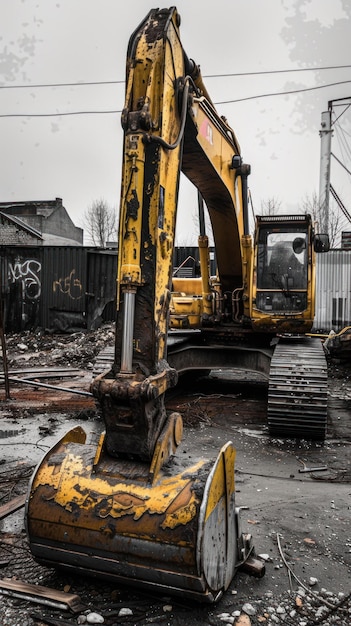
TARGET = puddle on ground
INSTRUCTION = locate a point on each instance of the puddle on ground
(13, 523)
(24, 442)
(28, 439)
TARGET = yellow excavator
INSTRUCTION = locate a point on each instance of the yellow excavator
(126, 507)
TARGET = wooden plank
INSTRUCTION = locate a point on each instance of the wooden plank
(12, 506)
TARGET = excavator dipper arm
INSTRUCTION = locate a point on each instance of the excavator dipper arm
(153, 120)
(170, 125)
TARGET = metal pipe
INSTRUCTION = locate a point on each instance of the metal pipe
(34, 383)
(324, 175)
(128, 329)
(200, 204)
(245, 172)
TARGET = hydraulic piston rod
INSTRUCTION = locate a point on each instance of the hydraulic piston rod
(128, 328)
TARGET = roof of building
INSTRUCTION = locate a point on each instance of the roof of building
(41, 207)
(57, 240)
(21, 224)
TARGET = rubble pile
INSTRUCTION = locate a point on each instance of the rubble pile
(32, 349)
(339, 377)
(112, 606)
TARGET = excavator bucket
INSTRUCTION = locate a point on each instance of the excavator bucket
(89, 513)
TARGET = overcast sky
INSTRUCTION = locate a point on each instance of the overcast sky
(78, 157)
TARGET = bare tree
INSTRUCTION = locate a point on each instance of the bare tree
(271, 206)
(208, 226)
(100, 223)
(311, 205)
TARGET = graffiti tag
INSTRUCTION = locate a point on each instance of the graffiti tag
(69, 286)
(26, 273)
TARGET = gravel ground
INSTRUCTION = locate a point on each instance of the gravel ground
(302, 533)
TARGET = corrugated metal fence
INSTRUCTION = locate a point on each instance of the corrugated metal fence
(57, 287)
(333, 301)
(68, 288)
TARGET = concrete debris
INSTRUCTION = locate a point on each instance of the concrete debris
(281, 610)
(249, 609)
(95, 618)
(223, 616)
(265, 557)
(124, 611)
(227, 618)
(321, 612)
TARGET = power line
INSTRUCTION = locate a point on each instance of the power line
(344, 146)
(300, 69)
(80, 84)
(340, 203)
(65, 114)
(265, 95)
(342, 164)
(119, 82)
(285, 93)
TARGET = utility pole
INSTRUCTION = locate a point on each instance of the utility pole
(324, 175)
(325, 188)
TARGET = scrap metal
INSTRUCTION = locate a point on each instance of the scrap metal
(41, 595)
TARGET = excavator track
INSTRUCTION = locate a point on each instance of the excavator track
(298, 386)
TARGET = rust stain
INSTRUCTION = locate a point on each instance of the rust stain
(49, 400)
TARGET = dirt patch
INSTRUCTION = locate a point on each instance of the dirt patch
(299, 520)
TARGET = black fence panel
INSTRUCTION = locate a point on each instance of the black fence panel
(186, 261)
(64, 288)
(57, 288)
(101, 287)
(21, 287)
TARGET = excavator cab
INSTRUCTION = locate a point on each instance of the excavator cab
(284, 270)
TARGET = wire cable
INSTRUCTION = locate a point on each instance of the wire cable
(266, 95)
(319, 599)
(285, 93)
(340, 163)
(300, 69)
(59, 114)
(78, 84)
(120, 82)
